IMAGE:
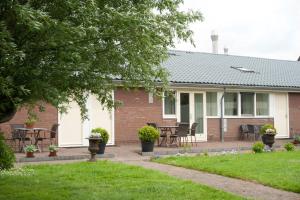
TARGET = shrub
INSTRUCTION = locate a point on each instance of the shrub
(7, 156)
(102, 132)
(268, 129)
(148, 134)
(289, 146)
(258, 147)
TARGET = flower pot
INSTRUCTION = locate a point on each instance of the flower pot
(102, 146)
(93, 147)
(30, 154)
(268, 139)
(29, 126)
(147, 146)
(52, 153)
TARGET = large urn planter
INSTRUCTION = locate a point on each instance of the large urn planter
(94, 147)
(101, 132)
(268, 139)
(102, 146)
(147, 146)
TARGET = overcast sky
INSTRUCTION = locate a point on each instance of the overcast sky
(259, 28)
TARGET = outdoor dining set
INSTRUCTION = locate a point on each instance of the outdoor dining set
(175, 135)
(36, 136)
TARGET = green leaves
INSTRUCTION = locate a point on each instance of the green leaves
(59, 51)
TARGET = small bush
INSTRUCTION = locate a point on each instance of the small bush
(7, 156)
(102, 132)
(148, 134)
(289, 146)
(258, 147)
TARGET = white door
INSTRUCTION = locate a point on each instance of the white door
(281, 117)
(70, 129)
(73, 132)
(100, 117)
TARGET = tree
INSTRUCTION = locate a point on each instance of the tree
(59, 51)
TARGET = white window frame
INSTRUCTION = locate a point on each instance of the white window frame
(239, 106)
(169, 116)
(218, 105)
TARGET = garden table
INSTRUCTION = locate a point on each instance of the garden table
(168, 131)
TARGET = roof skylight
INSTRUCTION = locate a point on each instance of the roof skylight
(242, 69)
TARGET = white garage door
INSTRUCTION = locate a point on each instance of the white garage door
(73, 132)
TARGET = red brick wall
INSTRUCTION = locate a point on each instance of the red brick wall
(233, 125)
(294, 112)
(45, 119)
(135, 112)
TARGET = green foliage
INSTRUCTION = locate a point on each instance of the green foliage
(102, 180)
(268, 129)
(279, 169)
(102, 132)
(297, 138)
(258, 147)
(60, 51)
(52, 148)
(30, 148)
(289, 146)
(7, 156)
(148, 134)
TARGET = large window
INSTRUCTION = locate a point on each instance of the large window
(211, 104)
(169, 104)
(262, 104)
(247, 103)
(231, 104)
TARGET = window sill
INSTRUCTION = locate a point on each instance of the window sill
(169, 117)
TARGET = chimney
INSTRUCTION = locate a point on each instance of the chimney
(225, 50)
(214, 37)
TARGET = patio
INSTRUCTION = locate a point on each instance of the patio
(133, 151)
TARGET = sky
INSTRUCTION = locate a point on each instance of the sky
(257, 28)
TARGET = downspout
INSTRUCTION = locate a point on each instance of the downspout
(222, 116)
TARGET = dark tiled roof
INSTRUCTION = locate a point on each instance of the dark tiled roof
(220, 69)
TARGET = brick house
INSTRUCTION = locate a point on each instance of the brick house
(208, 89)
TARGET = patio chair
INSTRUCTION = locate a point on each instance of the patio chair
(244, 131)
(182, 132)
(52, 136)
(162, 134)
(193, 132)
(251, 132)
(20, 136)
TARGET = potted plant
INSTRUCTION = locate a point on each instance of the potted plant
(104, 136)
(29, 150)
(30, 121)
(148, 135)
(94, 140)
(52, 150)
(296, 140)
(268, 133)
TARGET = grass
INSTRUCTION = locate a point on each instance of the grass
(100, 180)
(277, 169)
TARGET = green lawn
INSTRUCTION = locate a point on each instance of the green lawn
(276, 169)
(101, 180)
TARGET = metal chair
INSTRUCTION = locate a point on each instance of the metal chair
(52, 136)
(162, 134)
(244, 131)
(193, 132)
(18, 135)
(182, 132)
